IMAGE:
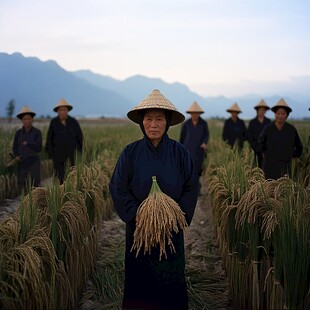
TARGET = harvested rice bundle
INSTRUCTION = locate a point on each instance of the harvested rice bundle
(157, 217)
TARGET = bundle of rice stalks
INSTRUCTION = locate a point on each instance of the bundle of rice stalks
(158, 216)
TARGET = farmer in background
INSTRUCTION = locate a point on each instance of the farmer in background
(280, 143)
(234, 131)
(255, 128)
(195, 136)
(64, 139)
(26, 148)
(151, 283)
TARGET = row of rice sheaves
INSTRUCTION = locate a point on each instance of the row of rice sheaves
(48, 247)
(263, 229)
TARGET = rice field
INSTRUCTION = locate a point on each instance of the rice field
(64, 246)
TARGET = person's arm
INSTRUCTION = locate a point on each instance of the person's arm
(49, 141)
(183, 134)
(15, 145)
(79, 137)
(225, 132)
(124, 201)
(261, 145)
(250, 137)
(244, 136)
(206, 133)
(190, 189)
(298, 147)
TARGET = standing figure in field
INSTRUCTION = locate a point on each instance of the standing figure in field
(255, 128)
(195, 136)
(280, 143)
(151, 283)
(26, 148)
(64, 139)
(234, 131)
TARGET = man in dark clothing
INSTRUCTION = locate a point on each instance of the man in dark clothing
(234, 131)
(195, 136)
(280, 143)
(256, 127)
(64, 139)
(26, 148)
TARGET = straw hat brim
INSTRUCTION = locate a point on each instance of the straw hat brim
(275, 108)
(261, 106)
(20, 115)
(190, 112)
(233, 111)
(61, 106)
(135, 115)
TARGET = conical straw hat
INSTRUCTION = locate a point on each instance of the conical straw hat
(155, 100)
(281, 104)
(195, 108)
(234, 108)
(25, 110)
(63, 103)
(262, 104)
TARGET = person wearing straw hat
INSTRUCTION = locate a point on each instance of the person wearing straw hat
(151, 283)
(234, 131)
(64, 139)
(256, 126)
(27, 145)
(280, 143)
(195, 135)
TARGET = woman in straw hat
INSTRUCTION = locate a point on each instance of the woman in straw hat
(280, 143)
(26, 148)
(234, 131)
(151, 283)
(255, 128)
(64, 139)
(195, 135)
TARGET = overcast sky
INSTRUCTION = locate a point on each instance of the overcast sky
(226, 47)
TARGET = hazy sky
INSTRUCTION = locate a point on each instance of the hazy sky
(227, 47)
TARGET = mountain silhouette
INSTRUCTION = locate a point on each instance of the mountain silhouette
(40, 85)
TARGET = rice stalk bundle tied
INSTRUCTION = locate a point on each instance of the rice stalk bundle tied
(158, 216)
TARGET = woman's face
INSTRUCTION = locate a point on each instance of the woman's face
(62, 112)
(234, 115)
(261, 112)
(27, 121)
(195, 116)
(280, 116)
(154, 123)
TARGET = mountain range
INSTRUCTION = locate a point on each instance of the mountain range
(40, 85)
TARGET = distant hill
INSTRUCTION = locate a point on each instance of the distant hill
(40, 84)
(138, 87)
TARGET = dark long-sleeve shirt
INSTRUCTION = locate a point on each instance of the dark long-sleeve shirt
(29, 164)
(64, 139)
(234, 132)
(254, 130)
(33, 137)
(170, 162)
(279, 148)
(192, 136)
(150, 283)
